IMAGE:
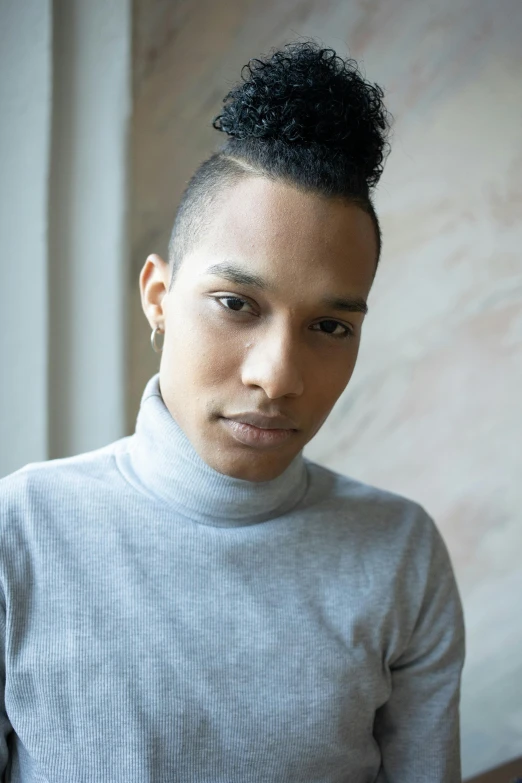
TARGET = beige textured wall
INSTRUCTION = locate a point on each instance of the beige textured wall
(433, 409)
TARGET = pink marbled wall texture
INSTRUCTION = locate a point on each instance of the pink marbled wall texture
(433, 410)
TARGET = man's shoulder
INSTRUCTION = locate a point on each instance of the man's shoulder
(355, 500)
(53, 478)
(330, 484)
(376, 521)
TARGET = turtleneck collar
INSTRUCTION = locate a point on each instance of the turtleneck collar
(167, 466)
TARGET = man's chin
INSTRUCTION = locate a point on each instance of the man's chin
(256, 467)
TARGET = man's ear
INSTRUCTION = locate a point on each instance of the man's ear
(154, 284)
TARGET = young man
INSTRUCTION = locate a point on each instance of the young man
(199, 602)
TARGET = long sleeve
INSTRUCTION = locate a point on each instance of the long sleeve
(418, 729)
(152, 631)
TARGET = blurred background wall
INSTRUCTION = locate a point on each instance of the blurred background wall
(65, 98)
(431, 411)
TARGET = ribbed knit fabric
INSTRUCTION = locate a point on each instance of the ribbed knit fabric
(162, 622)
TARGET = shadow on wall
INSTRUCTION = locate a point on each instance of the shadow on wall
(504, 774)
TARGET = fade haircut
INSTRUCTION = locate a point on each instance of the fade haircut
(302, 116)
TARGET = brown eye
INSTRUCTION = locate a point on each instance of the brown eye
(234, 303)
(331, 327)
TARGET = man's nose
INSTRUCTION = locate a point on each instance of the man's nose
(274, 362)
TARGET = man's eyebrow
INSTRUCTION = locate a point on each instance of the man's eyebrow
(351, 304)
(237, 275)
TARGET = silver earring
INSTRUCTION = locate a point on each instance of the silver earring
(155, 347)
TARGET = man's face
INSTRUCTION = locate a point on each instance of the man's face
(274, 343)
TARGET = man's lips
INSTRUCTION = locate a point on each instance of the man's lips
(262, 421)
(260, 437)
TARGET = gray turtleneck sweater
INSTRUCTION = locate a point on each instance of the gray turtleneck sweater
(162, 622)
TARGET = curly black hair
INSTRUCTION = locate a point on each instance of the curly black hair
(304, 116)
(307, 96)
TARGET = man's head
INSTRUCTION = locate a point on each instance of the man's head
(272, 257)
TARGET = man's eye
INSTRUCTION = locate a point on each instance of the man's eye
(333, 327)
(233, 303)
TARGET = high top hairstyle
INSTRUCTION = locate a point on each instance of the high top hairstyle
(302, 116)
